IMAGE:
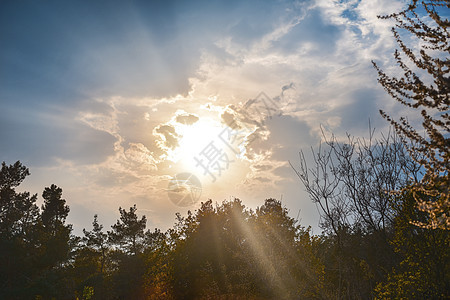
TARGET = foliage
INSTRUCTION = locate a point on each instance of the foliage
(34, 244)
(128, 232)
(220, 251)
(352, 183)
(424, 271)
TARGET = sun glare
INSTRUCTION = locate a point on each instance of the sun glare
(193, 139)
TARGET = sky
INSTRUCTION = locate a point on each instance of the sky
(165, 104)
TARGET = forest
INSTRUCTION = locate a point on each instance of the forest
(223, 251)
(383, 201)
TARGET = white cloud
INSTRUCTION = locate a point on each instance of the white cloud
(321, 50)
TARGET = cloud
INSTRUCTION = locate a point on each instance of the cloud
(140, 157)
(262, 167)
(52, 137)
(229, 119)
(187, 119)
(169, 136)
(312, 32)
(262, 179)
(284, 171)
(106, 99)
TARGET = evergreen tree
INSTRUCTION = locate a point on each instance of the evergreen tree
(97, 240)
(92, 264)
(56, 246)
(19, 217)
(18, 211)
(54, 209)
(128, 232)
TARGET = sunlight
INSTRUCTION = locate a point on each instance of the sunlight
(265, 264)
(193, 139)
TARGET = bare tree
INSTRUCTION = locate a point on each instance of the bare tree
(352, 181)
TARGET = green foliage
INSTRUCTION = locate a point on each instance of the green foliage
(18, 211)
(230, 251)
(424, 270)
(88, 292)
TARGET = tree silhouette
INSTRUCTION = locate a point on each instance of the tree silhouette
(54, 209)
(128, 232)
(92, 263)
(18, 211)
(97, 240)
(56, 245)
(224, 251)
(19, 216)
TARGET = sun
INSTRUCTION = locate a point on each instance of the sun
(193, 139)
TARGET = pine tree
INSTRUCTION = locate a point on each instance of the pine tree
(18, 211)
(129, 235)
(128, 232)
(19, 217)
(97, 240)
(54, 209)
(425, 88)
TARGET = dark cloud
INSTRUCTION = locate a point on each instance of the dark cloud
(312, 29)
(262, 167)
(170, 136)
(41, 142)
(262, 179)
(132, 48)
(229, 120)
(110, 50)
(287, 136)
(285, 171)
(363, 106)
(187, 119)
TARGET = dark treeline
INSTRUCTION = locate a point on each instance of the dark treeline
(220, 251)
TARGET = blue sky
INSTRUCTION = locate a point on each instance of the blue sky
(91, 94)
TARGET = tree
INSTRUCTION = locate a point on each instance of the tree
(159, 273)
(350, 181)
(19, 217)
(97, 240)
(35, 245)
(425, 88)
(55, 246)
(424, 269)
(55, 233)
(128, 232)
(18, 211)
(281, 249)
(92, 261)
(227, 251)
(54, 209)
